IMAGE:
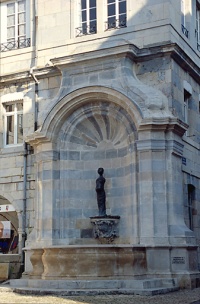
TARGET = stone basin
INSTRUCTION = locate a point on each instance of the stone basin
(88, 262)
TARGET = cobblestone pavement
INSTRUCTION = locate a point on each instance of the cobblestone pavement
(179, 297)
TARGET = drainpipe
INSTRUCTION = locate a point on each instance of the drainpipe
(24, 207)
(36, 97)
(35, 40)
(35, 12)
(33, 75)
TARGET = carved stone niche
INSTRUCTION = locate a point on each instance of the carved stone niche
(105, 228)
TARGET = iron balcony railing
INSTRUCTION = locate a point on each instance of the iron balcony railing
(184, 30)
(198, 46)
(86, 30)
(13, 45)
(116, 24)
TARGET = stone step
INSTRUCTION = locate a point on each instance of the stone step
(91, 292)
(95, 284)
(93, 287)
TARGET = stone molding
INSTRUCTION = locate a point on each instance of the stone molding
(77, 99)
(139, 55)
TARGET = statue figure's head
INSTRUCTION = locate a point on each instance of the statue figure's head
(100, 171)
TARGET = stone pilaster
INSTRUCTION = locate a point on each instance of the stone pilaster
(161, 218)
(45, 193)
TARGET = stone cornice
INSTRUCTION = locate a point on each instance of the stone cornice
(36, 138)
(138, 55)
(164, 124)
(128, 50)
(176, 53)
(117, 51)
(186, 63)
(10, 78)
(26, 75)
(95, 246)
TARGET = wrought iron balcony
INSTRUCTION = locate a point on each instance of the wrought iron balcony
(184, 30)
(198, 46)
(116, 24)
(86, 30)
(13, 45)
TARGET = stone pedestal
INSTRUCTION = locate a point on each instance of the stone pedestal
(105, 228)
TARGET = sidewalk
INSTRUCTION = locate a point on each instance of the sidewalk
(178, 297)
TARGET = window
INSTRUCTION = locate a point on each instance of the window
(88, 18)
(183, 21)
(185, 105)
(14, 25)
(13, 123)
(186, 109)
(189, 206)
(198, 27)
(116, 12)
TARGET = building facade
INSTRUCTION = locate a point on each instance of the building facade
(100, 83)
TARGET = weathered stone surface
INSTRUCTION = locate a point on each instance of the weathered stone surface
(93, 262)
(4, 271)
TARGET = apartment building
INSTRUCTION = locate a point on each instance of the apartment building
(100, 83)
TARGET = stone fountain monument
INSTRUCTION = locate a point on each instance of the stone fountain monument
(125, 126)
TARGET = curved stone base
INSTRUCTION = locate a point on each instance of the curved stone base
(116, 262)
(93, 262)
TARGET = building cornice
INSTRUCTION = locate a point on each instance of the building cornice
(175, 52)
(128, 50)
(117, 51)
(164, 124)
(138, 55)
(26, 75)
(186, 63)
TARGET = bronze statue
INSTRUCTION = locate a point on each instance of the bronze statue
(101, 195)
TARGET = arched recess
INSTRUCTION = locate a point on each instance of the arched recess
(96, 134)
(10, 224)
(89, 128)
(61, 109)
